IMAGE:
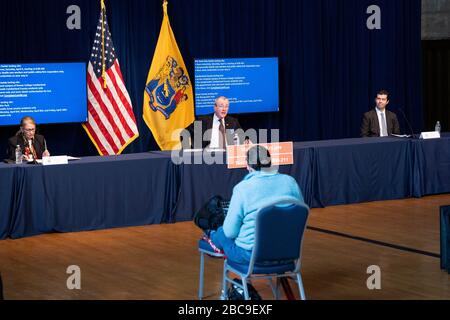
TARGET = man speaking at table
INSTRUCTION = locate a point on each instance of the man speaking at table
(217, 130)
(32, 145)
(380, 122)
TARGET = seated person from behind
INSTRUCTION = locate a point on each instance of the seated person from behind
(33, 145)
(261, 186)
(380, 122)
(217, 129)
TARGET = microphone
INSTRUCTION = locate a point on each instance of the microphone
(33, 152)
(407, 122)
(30, 146)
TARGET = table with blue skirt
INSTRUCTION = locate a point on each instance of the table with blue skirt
(87, 194)
(157, 187)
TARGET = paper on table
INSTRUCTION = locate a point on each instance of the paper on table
(215, 150)
(401, 135)
(39, 161)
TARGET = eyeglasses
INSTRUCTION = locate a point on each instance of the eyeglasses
(30, 130)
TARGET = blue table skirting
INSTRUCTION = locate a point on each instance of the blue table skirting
(149, 188)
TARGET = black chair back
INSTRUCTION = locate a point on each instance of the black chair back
(279, 233)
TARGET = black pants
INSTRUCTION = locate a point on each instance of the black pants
(1, 288)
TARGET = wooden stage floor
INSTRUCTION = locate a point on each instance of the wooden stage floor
(162, 262)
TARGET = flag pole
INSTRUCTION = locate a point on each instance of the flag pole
(103, 9)
(166, 87)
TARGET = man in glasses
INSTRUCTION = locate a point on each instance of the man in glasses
(33, 146)
(217, 130)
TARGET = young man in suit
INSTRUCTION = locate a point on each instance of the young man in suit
(380, 122)
(214, 131)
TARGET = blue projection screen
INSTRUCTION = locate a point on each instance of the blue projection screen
(49, 92)
(251, 84)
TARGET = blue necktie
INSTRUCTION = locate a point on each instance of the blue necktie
(383, 126)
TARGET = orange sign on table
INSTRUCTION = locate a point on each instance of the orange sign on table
(281, 154)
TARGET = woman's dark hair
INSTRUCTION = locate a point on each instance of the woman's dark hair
(258, 157)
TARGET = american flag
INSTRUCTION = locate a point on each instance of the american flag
(111, 123)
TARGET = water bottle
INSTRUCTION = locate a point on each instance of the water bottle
(437, 127)
(18, 155)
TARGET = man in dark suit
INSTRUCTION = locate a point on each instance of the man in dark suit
(33, 145)
(380, 122)
(214, 131)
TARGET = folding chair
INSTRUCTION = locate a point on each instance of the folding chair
(279, 231)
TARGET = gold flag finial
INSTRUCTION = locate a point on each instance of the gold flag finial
(165, 6)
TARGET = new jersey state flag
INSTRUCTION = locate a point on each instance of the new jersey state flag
(168, 98)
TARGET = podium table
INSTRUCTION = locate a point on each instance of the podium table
(149, 188)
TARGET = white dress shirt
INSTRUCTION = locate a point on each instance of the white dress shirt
(215, 132)
(379, 112)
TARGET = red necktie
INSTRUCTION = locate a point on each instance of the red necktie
(33, 152)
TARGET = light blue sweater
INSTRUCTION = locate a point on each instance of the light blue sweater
(255, 191)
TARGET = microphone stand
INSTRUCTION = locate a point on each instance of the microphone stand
(407, 122)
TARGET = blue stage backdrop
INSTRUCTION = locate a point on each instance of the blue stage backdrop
(331, 64)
